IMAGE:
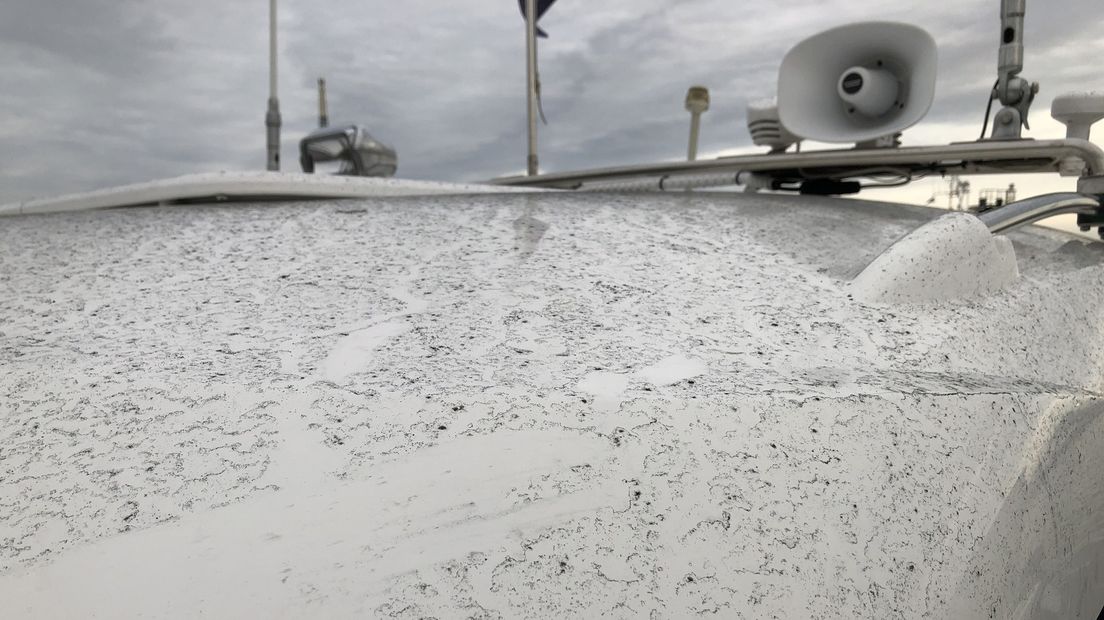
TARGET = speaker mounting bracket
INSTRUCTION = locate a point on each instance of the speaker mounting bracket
(891, 141)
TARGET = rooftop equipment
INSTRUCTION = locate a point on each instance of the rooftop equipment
(864, 84)
(359, 153)
(1078, 111)
(323, 112)
(697, 103)
(1014, 92)
(858, 83)
(766, 127)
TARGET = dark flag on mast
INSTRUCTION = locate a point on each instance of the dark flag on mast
(542, 7)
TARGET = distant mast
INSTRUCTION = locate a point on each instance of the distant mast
(323, 114)
(531, 78)
(697, 102)
(272, 116)
(532, 10)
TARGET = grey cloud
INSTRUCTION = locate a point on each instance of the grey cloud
(103, 93)
(95, 93)
(115, 39)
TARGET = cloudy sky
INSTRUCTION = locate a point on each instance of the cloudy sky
(102, 92)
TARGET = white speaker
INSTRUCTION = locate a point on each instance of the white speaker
(857, 82)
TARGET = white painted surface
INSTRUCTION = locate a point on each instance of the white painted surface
(672, 370)
(353, 353)
(637, 406)
(398, 516)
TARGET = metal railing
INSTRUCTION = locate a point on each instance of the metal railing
(984, 157)
(1023, 212)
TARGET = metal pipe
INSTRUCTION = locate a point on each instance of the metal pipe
(272, 49)
(531, 76)
(1029, 210)
(695, 129)
(272, 115)
(1011, 54)
(984, 157)
(669, 184)
(323, 112)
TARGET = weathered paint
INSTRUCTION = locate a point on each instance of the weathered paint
(531, 406)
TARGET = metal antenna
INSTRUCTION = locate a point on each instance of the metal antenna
(1015, 93)
(531, 74)
(697, 102)
(323, 114)
(272, 117)
(532, 11)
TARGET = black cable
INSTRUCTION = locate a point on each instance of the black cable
(898, 183)
(989, 109)
(540, 103)
(540, 100)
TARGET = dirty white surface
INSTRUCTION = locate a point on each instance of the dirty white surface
(539, 406)
(222, 186)
(951, 257)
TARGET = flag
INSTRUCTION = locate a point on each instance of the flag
(542, 7)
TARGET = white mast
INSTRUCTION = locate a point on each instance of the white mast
(531, 73)
(272, 116)
(697, 102)
(323, 112)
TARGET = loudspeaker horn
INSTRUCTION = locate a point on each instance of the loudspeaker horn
(858, 82)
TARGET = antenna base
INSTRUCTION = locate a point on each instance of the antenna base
(1017, 95)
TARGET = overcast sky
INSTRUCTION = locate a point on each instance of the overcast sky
(96, 93)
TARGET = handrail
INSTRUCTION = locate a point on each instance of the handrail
(1029, 210)
(973, 157)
